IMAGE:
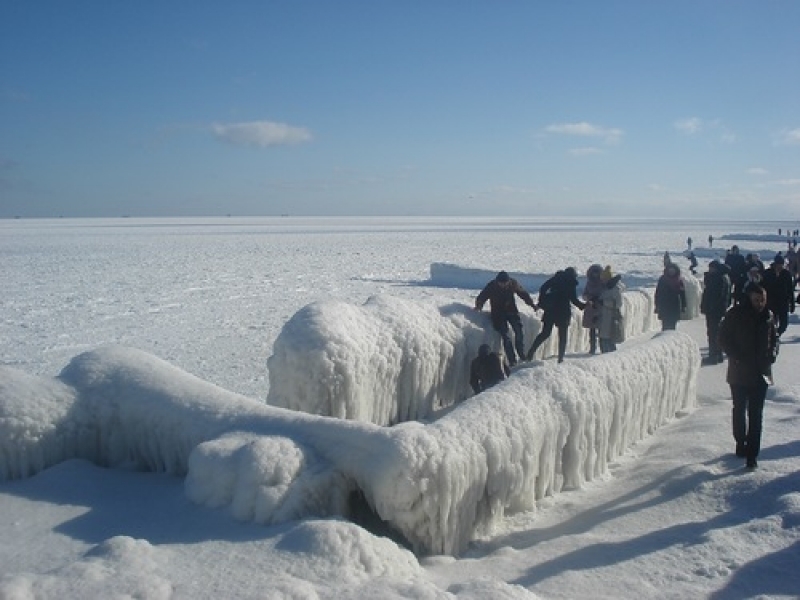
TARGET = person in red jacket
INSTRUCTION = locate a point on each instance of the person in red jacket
(747, 335)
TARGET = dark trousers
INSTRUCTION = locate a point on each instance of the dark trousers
(748, 416)
(501, 325)
(669, 323)
(781, 319)
(547, 329)
(712, 332)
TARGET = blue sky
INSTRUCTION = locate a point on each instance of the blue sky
(568, 108)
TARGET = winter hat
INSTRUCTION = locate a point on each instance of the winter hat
(484, 350)
(778, 260)
(607, 274)
(502, 277)
(571, 272)
(595, 269)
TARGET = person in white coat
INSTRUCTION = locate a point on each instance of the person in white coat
(611, 328)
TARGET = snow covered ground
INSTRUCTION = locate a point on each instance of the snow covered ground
(668, 513)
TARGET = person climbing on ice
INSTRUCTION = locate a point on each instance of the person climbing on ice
(500, 292)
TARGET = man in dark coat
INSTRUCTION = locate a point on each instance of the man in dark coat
(555, 297)
(714, 303)
(780, 292)
(738, 274)
(670, 297)
(500, 292)
(747, 335)
(487, 369)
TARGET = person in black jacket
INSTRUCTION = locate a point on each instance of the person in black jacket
(500, 293)
(779, 286)
(738, 274)
(747, 335)
(487, 369)
(670, 297)
(714, 303)
(555, 297)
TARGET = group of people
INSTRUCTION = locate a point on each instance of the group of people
(746, 307)
(602, 316)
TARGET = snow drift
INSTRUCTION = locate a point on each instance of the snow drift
(546, 428)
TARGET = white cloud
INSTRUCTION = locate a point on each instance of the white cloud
(757, 171)
(583, 129)
(787, 182)
(788, 137)
(260, 133)
(586, 151)
(689, 126)
(696, 125)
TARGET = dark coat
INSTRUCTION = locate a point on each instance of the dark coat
(780, 290)
(556, 295)
(501, 297)
(670, 297)
(716, 293)
(749, 339)
(486, 371)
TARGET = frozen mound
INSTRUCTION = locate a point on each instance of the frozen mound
(547, 428)
(394, 360)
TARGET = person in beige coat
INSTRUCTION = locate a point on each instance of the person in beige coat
(611, 329)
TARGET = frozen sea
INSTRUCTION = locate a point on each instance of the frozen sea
(673, 516)
(210, 295)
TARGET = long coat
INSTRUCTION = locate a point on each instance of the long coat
(591, 293)
(749, 339)
(670, 297)
(611, 307)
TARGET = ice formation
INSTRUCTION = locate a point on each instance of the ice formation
(439, 484)
(394, 360)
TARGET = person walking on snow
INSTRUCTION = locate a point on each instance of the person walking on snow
(555, 297)
(714, 303)
(487, 369)
(670, 297)
(591, 295)
(612, 325)
(500, 292)
(747, 335)
(779, 286)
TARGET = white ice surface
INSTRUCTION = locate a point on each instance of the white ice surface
(675, 516)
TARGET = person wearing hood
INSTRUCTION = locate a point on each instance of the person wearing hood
(670, 297)
(612, 324)
(779, 286)
(714, 303)
(591, 295)
(500, 292)
(487, 369)
(555, 297)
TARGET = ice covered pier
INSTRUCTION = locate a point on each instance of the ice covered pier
(547, 428)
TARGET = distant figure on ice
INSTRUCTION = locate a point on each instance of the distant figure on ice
(670, 297)
(710, 241)
(747, 335)
(779, 286)
(487, 369)
(692, 263)
(591, 295)
(500, 293)
(555, 297)
(714, 303)
(667, 259)
(689, 243)
(612, 323)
